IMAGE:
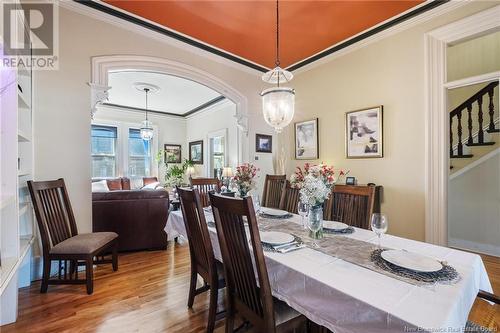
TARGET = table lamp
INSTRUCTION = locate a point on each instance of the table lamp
(227, 173)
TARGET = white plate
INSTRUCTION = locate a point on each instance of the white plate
(334, 225)
(274, 212)
(276, 237)
(413, 261)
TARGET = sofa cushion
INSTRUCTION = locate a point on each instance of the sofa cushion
(83, 243)
(114, 184)
(100, 186)
(125, 183)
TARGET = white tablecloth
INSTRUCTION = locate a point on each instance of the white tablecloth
(347, 298)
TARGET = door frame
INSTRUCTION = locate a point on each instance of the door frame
(436, 116)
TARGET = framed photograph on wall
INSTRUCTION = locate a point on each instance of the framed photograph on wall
(364, 131)
(307, 140)
(263, 143)
(172, 153)
(196, 151)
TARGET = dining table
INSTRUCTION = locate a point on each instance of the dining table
(346, 297)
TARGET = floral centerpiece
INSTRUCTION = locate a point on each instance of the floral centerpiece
(244, 178)
(315, 184)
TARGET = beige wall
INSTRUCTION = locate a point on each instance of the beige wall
(474, 207)
(389, 72)
(474, 57)
(62, 98)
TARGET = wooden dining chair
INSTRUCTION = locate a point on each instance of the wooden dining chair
(290, 198)
(255, 304)
(204, 186)
(201, 252)
(273, 189)
(352, 205)
(486, 318)
(61, 240)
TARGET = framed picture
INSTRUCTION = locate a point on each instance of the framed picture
(350, 180)
(307, 140)
(196, 152)
(364, 133)
(172, 153)
(263, 143)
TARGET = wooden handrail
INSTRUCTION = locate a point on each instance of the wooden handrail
(473, 98)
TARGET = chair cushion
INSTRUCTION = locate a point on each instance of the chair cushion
(83, 243)
(283, 313)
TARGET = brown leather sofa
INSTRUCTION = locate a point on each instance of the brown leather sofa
(137, 216)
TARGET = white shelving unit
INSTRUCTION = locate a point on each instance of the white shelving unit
(16, 211)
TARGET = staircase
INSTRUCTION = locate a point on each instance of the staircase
(483, 135)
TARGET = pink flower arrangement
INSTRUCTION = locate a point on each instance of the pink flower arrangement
(315, 182)
(244, 178)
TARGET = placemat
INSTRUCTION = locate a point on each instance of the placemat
(354, 251)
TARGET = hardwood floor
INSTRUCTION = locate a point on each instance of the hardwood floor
(149, 294)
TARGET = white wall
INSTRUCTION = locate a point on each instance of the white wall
(62, 98)
(170, 129)
(474, 207)
(200, 125)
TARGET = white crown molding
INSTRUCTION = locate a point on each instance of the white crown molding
(124, 24)
(410, 23)
(120, 108)
(210, 108)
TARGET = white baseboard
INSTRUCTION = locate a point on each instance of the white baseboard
(463, 244)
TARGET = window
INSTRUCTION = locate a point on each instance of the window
(103, 151)
(217, 155)
(139, 154)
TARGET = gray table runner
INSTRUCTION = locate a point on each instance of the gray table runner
(349, 249)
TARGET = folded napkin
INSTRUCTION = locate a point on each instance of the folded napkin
(348, 230)
(278, 217)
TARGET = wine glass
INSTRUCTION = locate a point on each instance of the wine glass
(256, 204)
(303, 210)
(379, 225)
(314, 225)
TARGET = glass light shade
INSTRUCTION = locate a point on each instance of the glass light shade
(278, 106)
(147, 130)
(227, 172)
(190, 171)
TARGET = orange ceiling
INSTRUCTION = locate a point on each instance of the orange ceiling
(247, 28)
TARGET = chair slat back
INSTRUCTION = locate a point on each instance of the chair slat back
(290, 199)
(352, 205)
(53, 211)
(200, 246)
(204, 186)
(273, 189)
(253, 303)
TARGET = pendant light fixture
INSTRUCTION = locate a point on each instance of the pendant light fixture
(147, 126)
(278, 103)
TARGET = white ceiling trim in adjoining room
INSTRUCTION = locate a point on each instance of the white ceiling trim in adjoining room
(173, 95)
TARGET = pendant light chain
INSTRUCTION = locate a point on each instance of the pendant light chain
(277, 34)
(146, 90)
